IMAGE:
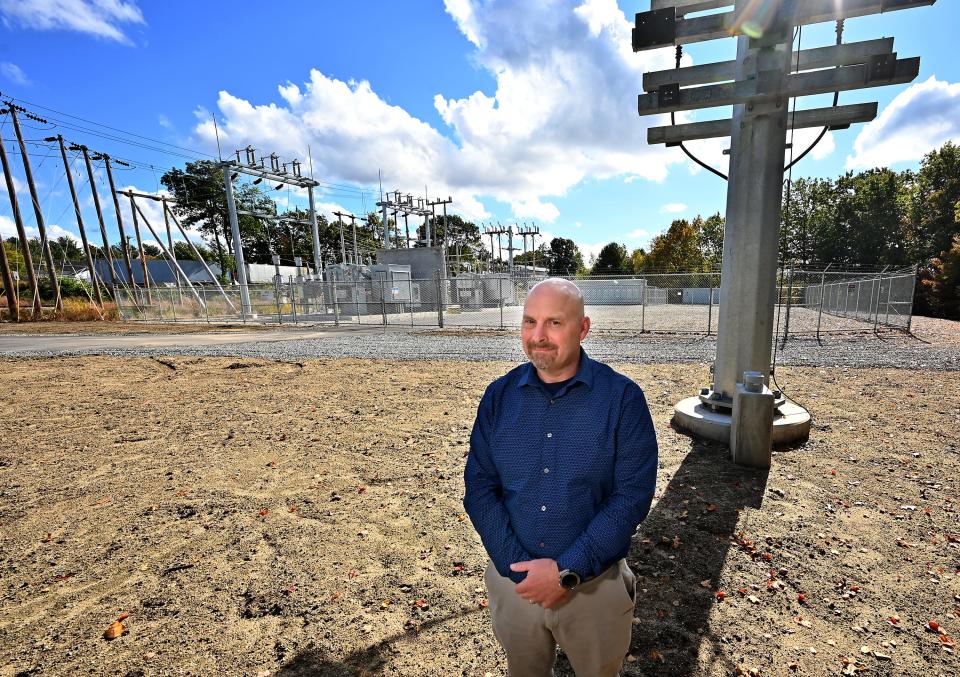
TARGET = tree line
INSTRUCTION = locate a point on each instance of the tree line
(877, 217)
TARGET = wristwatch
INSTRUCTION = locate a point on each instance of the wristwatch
(569, 579)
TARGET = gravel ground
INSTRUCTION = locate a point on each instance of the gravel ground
(892, 350)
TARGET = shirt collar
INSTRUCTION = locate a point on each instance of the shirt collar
(528, 374)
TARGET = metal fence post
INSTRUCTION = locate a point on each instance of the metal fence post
(643, 306)
(206, 305)
(383, 297)
(876, 307)
(410, 297)
(333, 300)
(500, 295)
(710, 310)
(913, 291)
(439, 300)
(293, 300)
(823, 278)
(173, 307)
(886, 318)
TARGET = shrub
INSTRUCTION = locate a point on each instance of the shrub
(82, 310)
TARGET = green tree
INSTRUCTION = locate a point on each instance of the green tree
(934, 204)
(565, 257)
(612, 260)
(710, 237)
(638, 260)
(676, 250)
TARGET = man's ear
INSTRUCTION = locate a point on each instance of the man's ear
(584, 327)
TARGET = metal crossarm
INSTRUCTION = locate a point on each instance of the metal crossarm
(651, 32)
(834, 117)
(850, 54)
(800, 84)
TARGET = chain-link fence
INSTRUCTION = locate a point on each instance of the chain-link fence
(809, 302)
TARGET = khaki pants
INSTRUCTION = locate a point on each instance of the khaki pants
(593, 626)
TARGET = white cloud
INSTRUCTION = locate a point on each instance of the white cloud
(9, 229)
(101, 18)
(534, 208)
(920, 119)
(672, 208)
(13, 73)
(563, 109)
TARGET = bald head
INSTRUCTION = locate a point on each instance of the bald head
(565, 291)
(553, 326)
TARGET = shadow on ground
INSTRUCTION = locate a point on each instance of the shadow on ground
(371, 660)
(679, 555)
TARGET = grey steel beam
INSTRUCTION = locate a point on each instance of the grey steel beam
(684, 7)
(834, 116)
(849, 54)
(725, 24)
(799, 84)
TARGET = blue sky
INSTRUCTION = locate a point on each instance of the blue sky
(521, 111)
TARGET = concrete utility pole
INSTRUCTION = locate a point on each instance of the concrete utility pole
(124, 245)
(83, 231)
(103, 227)
(38, 212)
(739, 408)
(22, 236)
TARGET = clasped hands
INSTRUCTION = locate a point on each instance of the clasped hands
(542, 584)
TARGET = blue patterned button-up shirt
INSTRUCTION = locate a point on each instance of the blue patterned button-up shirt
(566, 476)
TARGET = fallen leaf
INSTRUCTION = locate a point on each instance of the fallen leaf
(124, 616)
(291, 508)
(801, 598)
(115, 629)
(483, 603)
(47, 537)
(656, 656)
(933, 625)
(264, 512)
(753, 599)
(721, 595)
(711, 507)
(706, 584)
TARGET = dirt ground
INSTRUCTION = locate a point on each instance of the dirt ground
(258, 517)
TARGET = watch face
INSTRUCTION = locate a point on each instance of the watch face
(569, 580)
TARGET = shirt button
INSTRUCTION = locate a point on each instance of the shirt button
(543, 508)
(551, 401)
(546, 470)
(549, 434)
(542, 545)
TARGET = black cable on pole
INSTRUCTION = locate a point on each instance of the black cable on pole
(836, 101)
(673, 122)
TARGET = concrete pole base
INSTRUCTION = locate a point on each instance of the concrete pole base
(791, 422)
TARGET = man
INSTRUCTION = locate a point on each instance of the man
(561, 470)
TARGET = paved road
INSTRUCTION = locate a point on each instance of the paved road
(68, 343)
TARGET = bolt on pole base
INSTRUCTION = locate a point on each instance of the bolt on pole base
(791, 422)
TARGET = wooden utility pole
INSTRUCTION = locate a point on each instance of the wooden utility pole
(124, 245)
(41, 226)
(143, 259)
(13, 301)
(83, 231)
(166, 222)
(103, 227)
(21, 234)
